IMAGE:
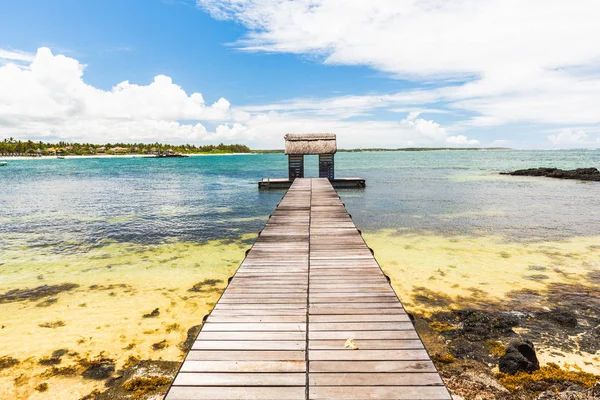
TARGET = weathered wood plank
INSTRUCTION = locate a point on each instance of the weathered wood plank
(240, 379)
(368, 355)
(240, 311)
(243, 366)
(376, 379)
(379, 392)
(365, 344)
(248, 355)
(236, 393)
(251, 327)
(257, 318)
(360, 326)
(372, 366)
(397, 317)
(249, 345)
(210, 335)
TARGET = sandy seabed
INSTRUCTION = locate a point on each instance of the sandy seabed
(98, 312)
(126, 302)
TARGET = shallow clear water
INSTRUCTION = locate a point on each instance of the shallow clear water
(84, 202)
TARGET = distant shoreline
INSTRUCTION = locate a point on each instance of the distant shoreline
(253, 152)
(20, 158)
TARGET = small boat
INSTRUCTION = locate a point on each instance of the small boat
(60, 157)
(3, 163)
(168, 155)
(172, 155)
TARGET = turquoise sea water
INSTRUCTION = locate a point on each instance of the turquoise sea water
(73, 204)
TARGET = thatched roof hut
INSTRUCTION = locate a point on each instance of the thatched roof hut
(297, 145)
(310, 143)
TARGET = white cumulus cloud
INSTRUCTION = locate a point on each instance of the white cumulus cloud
(569, 137)
(502, 62)
(45, 97)
(434, 132)
(421, 37)
(48, 98)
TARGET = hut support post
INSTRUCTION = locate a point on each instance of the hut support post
(326, 166)
(295, 166)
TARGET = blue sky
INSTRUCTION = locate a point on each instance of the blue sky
(136, 40)
(390, 75)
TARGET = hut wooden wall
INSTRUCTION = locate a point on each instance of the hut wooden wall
(295, 166)
(326, 166)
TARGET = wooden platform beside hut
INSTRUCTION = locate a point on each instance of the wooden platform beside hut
(322, 144)
(337, 183)
(280, 329)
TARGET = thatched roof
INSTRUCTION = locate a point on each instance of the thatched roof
(310, 143)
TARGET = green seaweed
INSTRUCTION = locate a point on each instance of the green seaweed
(143, 386)
(550, 373)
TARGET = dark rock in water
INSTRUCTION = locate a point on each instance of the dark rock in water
(101, 369)
(520, 356)
(36, 293)
(192, 333)
(584, 174)
(561, 316)
(479, 325)
(463, 349)
(154, 313)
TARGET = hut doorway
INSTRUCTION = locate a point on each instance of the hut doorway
(311, 166)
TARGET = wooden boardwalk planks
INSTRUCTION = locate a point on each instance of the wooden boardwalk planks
(308, 284)
(350, 298)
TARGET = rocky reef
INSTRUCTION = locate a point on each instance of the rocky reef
(584, 174)
(490, 354)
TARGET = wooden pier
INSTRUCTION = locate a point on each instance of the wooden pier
(279, 331)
